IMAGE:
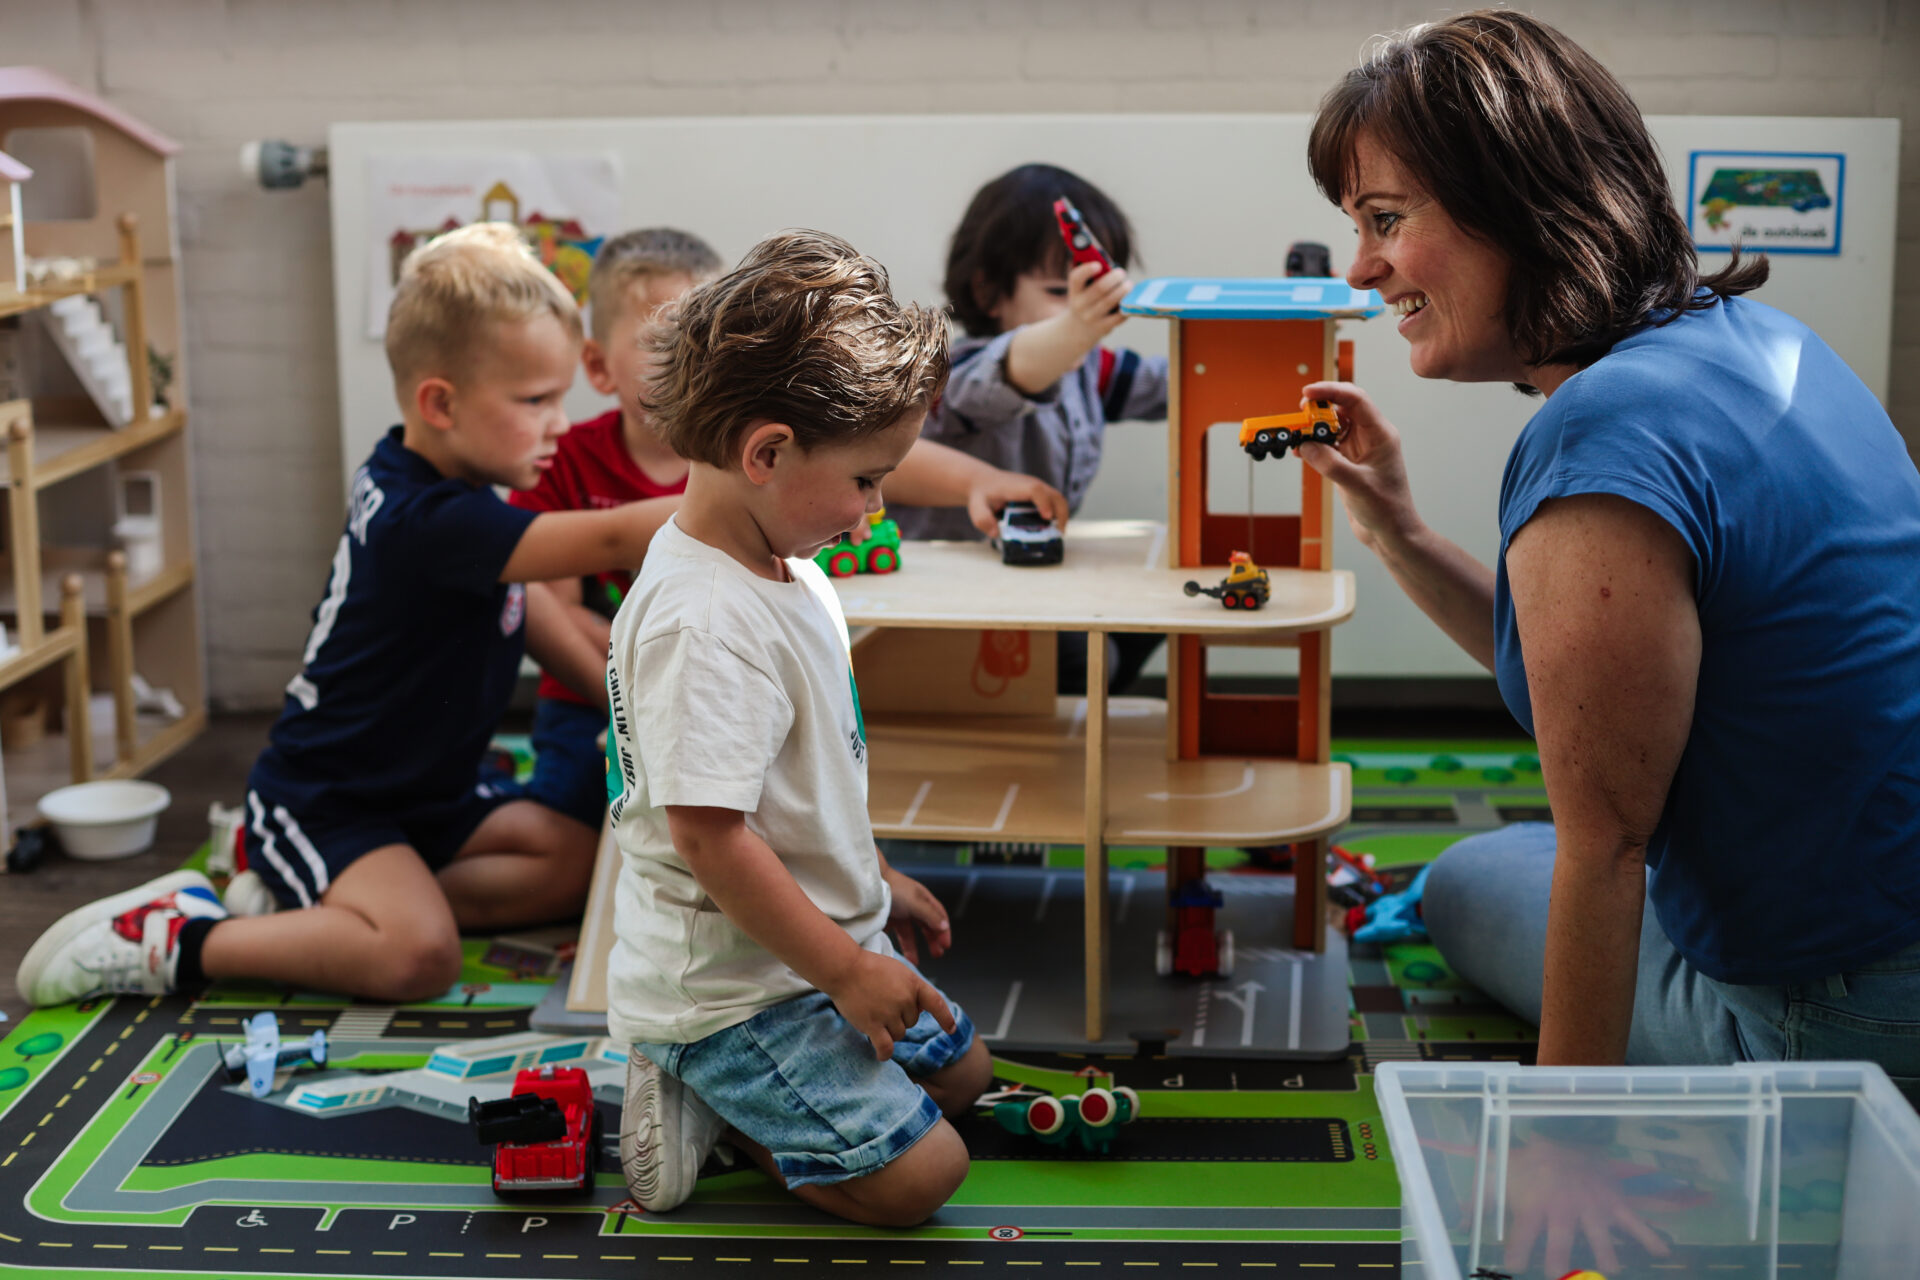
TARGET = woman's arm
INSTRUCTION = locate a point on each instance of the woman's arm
(1603, 597)
(1449, 585)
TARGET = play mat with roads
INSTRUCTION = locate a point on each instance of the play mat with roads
(124, 1147)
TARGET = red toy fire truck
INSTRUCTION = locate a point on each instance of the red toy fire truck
(547, 1132)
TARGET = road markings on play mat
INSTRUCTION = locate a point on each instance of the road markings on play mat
(1006, 1010)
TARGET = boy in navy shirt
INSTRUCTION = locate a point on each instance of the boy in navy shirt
(366, 808)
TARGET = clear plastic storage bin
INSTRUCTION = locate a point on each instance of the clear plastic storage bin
(1788, 1171)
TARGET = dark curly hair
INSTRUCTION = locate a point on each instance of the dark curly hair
(1532, 146)
(1009, 230)
(805, 331)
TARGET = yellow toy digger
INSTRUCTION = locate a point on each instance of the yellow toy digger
(1246, 585)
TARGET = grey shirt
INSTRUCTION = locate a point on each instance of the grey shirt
(1055, 436)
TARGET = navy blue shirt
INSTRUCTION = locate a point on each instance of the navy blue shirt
(1789, 849)
(414, 649)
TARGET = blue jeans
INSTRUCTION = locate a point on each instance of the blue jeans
(1486, 907)
(569, 769)
(801, 1082)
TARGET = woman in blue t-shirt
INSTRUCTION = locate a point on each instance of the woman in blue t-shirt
(1707, 602)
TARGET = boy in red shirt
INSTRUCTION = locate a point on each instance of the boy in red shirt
(619, 457)
(607, 461)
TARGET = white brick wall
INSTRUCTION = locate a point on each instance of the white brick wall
(214, 73)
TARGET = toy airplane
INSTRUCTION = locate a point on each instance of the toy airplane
(263, 1054)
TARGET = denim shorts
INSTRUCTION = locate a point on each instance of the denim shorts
(801, 1082)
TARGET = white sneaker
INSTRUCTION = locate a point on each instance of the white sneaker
(666, 1134)
(126, 943)
(247, 895)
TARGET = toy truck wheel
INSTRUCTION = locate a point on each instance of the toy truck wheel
(1322, 432)
(1224, 938)
(1045, 1115)
(883, 560)
(1231, 600)
(1163, 955)
(1129, 1103)
(843, 563)
(1252, 600)
(591, 1157)
(1098, 1109)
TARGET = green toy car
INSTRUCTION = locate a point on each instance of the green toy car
(1090, 1119)
(880, 553)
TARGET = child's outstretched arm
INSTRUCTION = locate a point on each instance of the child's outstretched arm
(745, 878)
(937, 475)
(562, 647)
(1043, 353)
(566, 544)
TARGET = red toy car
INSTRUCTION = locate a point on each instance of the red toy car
(548, 1132)
(1081, 245)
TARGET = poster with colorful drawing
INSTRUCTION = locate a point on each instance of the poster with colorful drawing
(1771, 201)
(565, 205)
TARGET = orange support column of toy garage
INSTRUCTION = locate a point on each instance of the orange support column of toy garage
(1239, 349)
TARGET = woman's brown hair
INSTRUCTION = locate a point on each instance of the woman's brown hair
(1531, 145)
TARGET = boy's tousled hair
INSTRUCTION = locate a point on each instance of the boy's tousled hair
(805, 331)
(1009, 229)
(637, 255)
(454, 286)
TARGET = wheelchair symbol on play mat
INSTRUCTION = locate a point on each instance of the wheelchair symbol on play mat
(252, 1218)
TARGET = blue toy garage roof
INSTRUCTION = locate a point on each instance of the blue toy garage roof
(1293, 298)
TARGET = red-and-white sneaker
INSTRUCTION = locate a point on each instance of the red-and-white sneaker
(127, 943)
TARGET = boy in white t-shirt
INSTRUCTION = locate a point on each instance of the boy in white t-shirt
(752, 970)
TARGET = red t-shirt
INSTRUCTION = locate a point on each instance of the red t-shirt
(592, 470)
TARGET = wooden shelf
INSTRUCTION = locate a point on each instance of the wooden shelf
(33, 771)
(105, 277)
(91, 566)
(62, 452)
(1024, 778)
(1114, 578)
(53, 646)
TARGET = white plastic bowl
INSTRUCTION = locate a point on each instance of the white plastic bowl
(97, 820)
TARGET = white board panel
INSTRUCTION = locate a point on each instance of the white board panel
(1207, 194)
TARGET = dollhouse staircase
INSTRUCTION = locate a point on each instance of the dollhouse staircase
(84, 335)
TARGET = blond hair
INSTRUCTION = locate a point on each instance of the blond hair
(805, 331)
(454, 286)
(641, 255)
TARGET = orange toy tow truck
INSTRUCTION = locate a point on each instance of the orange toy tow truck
(1271, 436)
(1246, 585)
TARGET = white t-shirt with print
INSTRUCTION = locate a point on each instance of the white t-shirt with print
(731, 691)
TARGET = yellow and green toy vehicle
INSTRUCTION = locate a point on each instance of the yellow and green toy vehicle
(880, 553)
(1246, 585)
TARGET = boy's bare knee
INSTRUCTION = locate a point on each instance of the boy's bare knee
(422, 967)
(912, 1188)
(957, 1087)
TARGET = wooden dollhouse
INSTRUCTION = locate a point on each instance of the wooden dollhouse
(93, 310)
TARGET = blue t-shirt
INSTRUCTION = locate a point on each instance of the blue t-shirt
(414, 649)
(1789, 849)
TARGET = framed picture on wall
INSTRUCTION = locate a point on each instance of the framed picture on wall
(1771, 201)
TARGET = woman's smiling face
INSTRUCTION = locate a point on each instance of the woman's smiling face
(1448, 288)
